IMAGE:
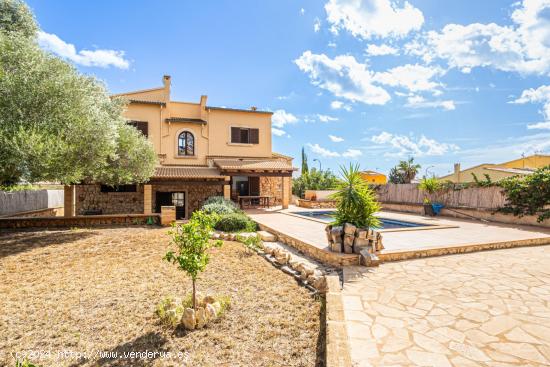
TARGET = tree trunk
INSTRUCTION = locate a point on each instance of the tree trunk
(194, 296)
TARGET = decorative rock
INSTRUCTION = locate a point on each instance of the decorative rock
(282, 257)
(361, 233)
(336, 233)
(266, 236)
(189, 319)
(201, 317)
(336, 247)
(349, 229)
(210, 311)
(269, 248)
(360, 244)
(320, 284)
(208, 299)
(369, 259)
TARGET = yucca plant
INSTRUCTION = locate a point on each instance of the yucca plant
(355, 201)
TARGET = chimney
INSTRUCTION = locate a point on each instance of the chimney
(457, 172)
(203, 107)
(166, 81)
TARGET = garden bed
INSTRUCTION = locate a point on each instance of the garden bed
(85, 291)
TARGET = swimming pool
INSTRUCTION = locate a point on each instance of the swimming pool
(326, 216)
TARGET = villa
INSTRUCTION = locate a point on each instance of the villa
(202, 150)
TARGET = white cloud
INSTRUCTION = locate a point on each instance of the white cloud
(317, 25)
(522, 47)
(100, 58)
(352, 153)
(278, 132)
(324, 152)
(280, 118)
(539, 125)
(373, 18)
(343, 76)
(336, 105)
(336, 139)
(331, 44)
(412, 77)
(380, 50)
(539, 95)
(326, 118)
(302, 11)
(316, 148)
(416, 101)
(403, 145)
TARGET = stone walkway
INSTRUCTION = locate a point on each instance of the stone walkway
(480, 309)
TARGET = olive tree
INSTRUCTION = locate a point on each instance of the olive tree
(57, 124)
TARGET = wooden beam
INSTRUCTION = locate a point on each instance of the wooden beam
(257, 174)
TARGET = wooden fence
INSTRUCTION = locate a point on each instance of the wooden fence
(475, 197)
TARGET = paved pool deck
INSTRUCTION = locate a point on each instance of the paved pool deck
(449, 235)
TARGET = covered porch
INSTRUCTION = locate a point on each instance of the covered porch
(257, 183)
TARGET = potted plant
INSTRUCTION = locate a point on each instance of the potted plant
(431, 186)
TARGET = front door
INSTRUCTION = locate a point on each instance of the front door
(242, 188)
(176, 199)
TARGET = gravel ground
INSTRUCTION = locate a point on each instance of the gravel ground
(86, 297)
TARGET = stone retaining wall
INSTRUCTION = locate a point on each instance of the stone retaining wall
(78, 221)
(323, 255)
(48, 212)
(90, 198)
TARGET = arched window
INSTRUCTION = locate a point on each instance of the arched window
(186, 143)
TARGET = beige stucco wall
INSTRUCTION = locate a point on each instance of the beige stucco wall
(479, 171)
(532, 162)
(220, 123)
(212, 138)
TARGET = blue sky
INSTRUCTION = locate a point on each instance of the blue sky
(371, 81)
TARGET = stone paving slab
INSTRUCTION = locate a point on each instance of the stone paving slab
(478, 309)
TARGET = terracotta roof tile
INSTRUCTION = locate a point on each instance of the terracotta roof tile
(186, 172)
(244, 164)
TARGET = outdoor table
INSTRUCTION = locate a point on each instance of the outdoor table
(246, 201)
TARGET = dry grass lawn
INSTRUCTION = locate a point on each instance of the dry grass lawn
(86, 291)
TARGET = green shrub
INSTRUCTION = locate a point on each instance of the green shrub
(222, 201)
(24, 363)
(218, 208)
(252, 243)
(235, 222)
(528, 195)
(355, 201)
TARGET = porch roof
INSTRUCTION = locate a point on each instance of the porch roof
(164, 172)
(253, 165)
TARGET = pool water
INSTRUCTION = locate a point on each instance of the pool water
(327, 216)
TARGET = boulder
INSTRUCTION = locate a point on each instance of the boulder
(349, 229)
(201, 317)
(361, 233)
(269, 248)
(189, 319)
(282, 257)
(348, 244)
(336, 247)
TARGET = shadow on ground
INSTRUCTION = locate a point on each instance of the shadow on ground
(15, 242)
(121, 355)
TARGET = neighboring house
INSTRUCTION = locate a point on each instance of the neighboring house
(522, 167)
(373, 177)
(203, 151)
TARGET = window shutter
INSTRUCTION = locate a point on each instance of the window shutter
(254, 136)
(142, 126)
(235, 135)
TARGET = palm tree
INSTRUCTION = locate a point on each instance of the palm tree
(408, 169)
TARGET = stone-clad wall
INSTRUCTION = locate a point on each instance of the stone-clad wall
(272, 186)
(90, 197)
(196, 194)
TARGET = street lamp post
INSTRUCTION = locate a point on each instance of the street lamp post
(426, 171)
(320, 167)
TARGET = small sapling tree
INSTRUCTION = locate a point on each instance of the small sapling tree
(192, 241)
